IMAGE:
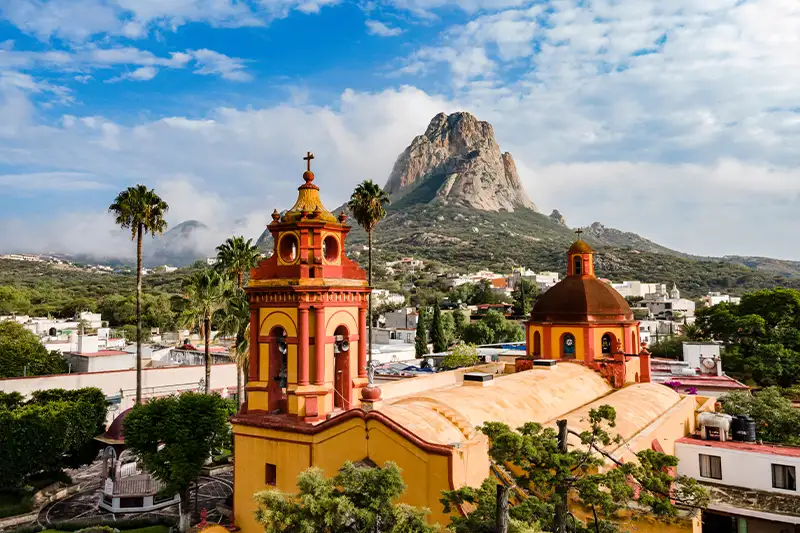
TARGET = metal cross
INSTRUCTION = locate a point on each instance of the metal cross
(579, 231)
(308, 159)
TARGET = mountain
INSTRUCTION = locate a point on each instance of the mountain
(180, 245)
(457, 162)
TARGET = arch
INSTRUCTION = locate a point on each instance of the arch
(289, 325)
(349, 320)
(567, 346)
(278, 369)
(577, 265)
(634, 344)
(342, 383)
(608, 343)
(537, 343)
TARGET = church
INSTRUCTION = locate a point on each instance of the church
(311, 401)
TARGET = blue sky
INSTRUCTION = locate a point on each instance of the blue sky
(677, 120)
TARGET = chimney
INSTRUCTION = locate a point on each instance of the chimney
(644, 362)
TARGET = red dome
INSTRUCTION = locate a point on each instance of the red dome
(581, 299)
(115, 432)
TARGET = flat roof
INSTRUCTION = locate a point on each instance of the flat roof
(771, 449)
(101, 353)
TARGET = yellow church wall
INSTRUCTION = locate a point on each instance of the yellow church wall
(597, 338)
(284, 317)
(542, 347)
(555, 342)
(690, 523)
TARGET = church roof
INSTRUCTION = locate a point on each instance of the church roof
(568, 390)
(581, 299)
(580, 247)
(308, 203)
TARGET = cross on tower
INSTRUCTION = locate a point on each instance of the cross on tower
(309, 156)
(579, 231)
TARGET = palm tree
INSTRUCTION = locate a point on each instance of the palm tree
(367, 204)
(207, 293)
(142, 211)
(236, 256)
(234, 321)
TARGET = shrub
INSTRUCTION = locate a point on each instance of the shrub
(461, 355)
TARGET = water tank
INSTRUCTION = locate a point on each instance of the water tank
(717, 420)
(749, 429)
(739, 428)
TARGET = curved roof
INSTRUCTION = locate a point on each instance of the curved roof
(451, 415)
(115, 433)
(580, 247)
(308, 202)
(581, 299)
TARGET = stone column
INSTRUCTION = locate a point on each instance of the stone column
(302, 342)
(362, 342)
(319, 345)
(255, 351)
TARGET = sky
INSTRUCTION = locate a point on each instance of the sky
(678, 120)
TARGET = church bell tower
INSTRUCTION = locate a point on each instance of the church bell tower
(308, 315)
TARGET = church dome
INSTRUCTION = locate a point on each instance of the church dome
(580, 247)
(581, 299)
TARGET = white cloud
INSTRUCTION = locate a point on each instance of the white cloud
(376, 27)
(214, 63)
(50, 181)
(140, 74)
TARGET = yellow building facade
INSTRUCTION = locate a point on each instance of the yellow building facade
(310, 403)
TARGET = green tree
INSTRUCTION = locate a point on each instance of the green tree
(484, 294)
(142, 211)
(438, 337)
(21, 353)
(234, 321)
(493, 328)
(461, 355)
(460, 321)
(524, 295)
(158, 312)
(777, 420)
(189, 426)
(547, 474)
(207, 293)
(368, 203)
(356, 500)
(119, 310)
(13, 301)
(236, 256)
(421, 338)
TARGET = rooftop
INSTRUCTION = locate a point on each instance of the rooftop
(751, 447)
(100, 353)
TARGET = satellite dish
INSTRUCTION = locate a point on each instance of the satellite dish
(708, 363)
(344, 346)
(282, 346)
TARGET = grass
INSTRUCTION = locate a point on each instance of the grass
(14, 503)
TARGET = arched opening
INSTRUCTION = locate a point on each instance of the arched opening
(278, 370)
(568, 346)
(52, 332)
(342, 385)
(287, 248)
(577, 265)
(608, 343)
(330, 249)
(634, 344)
(537, 343)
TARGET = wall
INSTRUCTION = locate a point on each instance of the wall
(155, 382)
(740, 468)
(692, 352)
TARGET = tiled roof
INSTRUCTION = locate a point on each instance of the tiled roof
(771, 449)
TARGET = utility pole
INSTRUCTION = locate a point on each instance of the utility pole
(562, 490)
(501, 524)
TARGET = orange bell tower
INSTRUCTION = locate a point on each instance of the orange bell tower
(308, 315)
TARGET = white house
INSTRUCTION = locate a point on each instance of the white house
(637, 289)
(405, 318)
(713, 298)
(753, 486)
(669, 306)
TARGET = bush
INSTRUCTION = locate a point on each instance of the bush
(136, 524)
(16, 502)
(461, 355)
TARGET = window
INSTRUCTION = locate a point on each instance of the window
(784, 477)
(271, 475)
(577, 268)
(568, 346)
(711, 466)
(605, 343)
(537, 343)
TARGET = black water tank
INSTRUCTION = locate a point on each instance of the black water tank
(750, 429)
(738, 428)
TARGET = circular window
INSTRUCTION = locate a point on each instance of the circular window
(288, 248)
(330, 249)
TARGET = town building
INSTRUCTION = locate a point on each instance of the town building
(22, 257)
(384, 296)
(753, 486)
(699, 371)
(405, 318)
(713, 298)
(406, 264)
(312, 401)
(669, 306)
(637, 289)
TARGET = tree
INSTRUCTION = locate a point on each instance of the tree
(546, 473)
(356, 500)
(493, 328)
(524, 295)
(484, 294)
(173, 436)
(142, 211)
(438, 337)
(367, 204)
(462, 355)
(421, 338)
(460, 321)
(13, 301)
(207, 293)
(22, 354)
(236, 256)
(776, 418)
(234, 320)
